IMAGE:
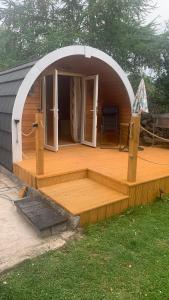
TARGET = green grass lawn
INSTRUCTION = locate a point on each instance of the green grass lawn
(126, 257)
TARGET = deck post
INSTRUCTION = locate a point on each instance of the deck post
(39, 144)
(133, 147)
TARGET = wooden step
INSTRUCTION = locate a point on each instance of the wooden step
(47, 180)
(119, 186)
(108, 181)
(85, 195)
(45, 218)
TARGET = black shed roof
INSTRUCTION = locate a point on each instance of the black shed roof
(10, 81)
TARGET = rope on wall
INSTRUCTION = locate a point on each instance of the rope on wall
(42, 124)
(157, 136)
(32, 130)
(29, 133)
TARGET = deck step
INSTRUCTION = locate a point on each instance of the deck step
(84, 195)
(45, 218)
(119, 186)
(108, 181)
(60, 178)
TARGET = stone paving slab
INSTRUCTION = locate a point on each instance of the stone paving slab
(40, 213)
(18, 239)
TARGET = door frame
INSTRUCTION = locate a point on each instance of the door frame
(69, 74)
(95, 105)
(55, 74)
(55, 111)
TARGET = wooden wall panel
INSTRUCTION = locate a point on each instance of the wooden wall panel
(32, 105)
(114, 94)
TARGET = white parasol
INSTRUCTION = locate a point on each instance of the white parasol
(140, 103)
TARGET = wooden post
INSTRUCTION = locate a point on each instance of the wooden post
(39, 144)
(133, 147)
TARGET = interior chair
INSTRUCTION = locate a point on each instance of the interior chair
(109, 125)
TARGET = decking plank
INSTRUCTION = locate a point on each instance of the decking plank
(81, 195)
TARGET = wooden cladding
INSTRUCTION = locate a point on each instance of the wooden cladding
(32, 106)
(114, 94)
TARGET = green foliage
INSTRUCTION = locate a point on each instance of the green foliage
(115, 26)
(125, 257)
(162, 82)
(41, 26)
(32, 28)
(7, 44)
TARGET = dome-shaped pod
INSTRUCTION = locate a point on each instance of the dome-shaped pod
(31, 75)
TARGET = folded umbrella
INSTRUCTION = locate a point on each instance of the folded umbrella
(140, 104)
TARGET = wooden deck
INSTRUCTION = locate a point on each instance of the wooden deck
(92, 183)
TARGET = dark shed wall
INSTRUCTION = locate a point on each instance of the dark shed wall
(10, 82)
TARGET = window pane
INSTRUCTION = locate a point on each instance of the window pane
(49, 111)
(88, 124)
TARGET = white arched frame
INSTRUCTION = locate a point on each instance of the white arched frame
(38, 68)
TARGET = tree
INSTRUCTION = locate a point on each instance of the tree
(159, 96)
(30, 22)
(8, 49)
(114, 26)
(117, 27)
(31, 28)
(42, 25)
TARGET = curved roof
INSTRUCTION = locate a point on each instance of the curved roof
(58, 54)
(10, 80)
(14, 88)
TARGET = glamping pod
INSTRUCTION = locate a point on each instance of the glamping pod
(60, 119)
(74, 86)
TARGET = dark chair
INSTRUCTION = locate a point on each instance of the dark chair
(109, 122)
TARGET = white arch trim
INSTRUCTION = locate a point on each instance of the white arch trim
(38, 68)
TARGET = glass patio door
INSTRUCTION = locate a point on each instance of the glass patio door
(50, 108)
(89, 110)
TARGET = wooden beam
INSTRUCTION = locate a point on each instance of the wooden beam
(39, 144)
(133, 147)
